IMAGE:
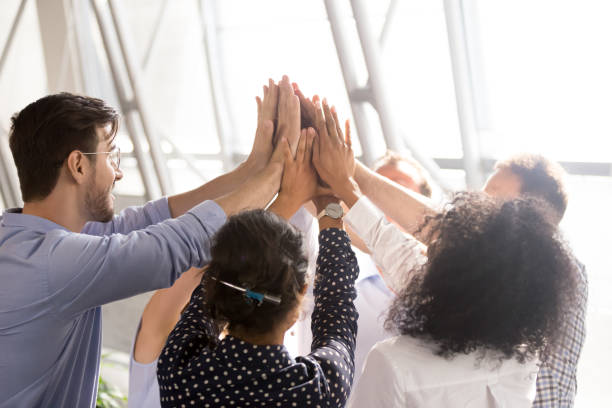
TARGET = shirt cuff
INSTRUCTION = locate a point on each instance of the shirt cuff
(302, 220)
(210, 214)
(363, 216)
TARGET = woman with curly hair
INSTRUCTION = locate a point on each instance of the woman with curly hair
(478, 314)
(476, 310)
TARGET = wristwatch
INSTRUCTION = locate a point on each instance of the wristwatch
(332, 210)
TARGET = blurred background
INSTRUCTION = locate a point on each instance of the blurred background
(458, 83)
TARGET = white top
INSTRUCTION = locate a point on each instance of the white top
(405, 372)
(394, 251)
(143, 389)
(372, 303)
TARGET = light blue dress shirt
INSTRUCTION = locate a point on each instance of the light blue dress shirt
(53, 282)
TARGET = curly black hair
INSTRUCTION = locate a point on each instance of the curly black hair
(499, 277)
(257, 250)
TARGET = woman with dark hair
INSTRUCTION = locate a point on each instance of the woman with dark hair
(477, 316)
(476, 310)
(252, 292)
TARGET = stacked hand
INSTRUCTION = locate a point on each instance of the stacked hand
(263, 145)
(288, 114)
(333, 155)
(310, 145)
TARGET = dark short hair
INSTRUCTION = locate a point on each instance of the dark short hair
(258, 250)
(392, 158)
(45, 132)
(498, 277)
(540, 177)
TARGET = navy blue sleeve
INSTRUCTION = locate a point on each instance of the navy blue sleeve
(334, 319)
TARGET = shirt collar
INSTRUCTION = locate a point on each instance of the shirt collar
(14, 217)
(267, 358)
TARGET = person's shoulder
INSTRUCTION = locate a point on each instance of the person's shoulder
(397, 346)
(583, 277)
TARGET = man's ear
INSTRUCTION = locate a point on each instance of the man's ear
(78, 166)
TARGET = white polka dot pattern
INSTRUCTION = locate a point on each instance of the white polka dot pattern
(240, 374)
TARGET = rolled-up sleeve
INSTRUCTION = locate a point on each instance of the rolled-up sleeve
(86, 271)
(394, 251)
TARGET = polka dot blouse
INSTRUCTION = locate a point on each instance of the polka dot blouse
(240, 374)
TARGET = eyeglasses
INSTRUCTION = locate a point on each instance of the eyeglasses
(114, 156)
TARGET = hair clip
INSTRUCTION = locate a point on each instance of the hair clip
(256, 296)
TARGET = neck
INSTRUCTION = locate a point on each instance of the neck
(61, 207)
(274, 337)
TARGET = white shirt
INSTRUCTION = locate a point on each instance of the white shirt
(394, 251)
(143, 387)
(404, 371)
(372, 303)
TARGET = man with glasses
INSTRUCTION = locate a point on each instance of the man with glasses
(64, 254)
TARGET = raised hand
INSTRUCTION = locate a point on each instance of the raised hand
(299, 182)
(307, 107)
(267, 109)
(263, 145)
(288, 114)
(333, 156)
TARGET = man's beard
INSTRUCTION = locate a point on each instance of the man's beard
(96, 203)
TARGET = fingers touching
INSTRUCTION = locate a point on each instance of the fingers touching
(288, 113)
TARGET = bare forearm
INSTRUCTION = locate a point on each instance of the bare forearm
(220, 186)
(406, 208)
(255, 193)
(284, 207)
(161, 314)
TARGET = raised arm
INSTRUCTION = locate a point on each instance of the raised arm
(91, 270)
(258, 158)
(334, 319)
(161, 314)
(259, 190)
(195, 331)
(333, 158)
(131, 219)
(299, 182)
(288, 114)
(405, 207)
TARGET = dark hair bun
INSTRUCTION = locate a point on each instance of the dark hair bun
(259, 251)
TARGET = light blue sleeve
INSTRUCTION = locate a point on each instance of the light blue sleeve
(131, 219)
(86, 271)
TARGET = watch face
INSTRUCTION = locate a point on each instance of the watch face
(334, 210)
